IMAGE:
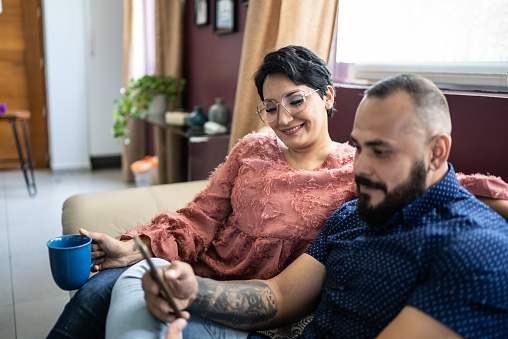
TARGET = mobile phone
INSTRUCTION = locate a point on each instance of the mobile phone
(166, 293)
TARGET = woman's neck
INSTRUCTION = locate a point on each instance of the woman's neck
(308, 158)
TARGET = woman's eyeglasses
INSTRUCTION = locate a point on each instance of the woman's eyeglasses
(293, 102)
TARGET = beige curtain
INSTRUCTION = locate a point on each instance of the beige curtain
(169, 37)
(135, 149)
(271, 25)
(168, 61)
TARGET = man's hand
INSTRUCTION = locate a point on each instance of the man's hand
(183, 285)
(110, 252)
(175, 328)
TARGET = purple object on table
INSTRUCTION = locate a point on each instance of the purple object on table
(3, 109)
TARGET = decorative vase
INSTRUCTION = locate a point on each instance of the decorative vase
(218, 112)
(158, 105)
(197, 117)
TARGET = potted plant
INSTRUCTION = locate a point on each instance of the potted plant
(137, 97)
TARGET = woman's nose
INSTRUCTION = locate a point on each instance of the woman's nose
(284, 116)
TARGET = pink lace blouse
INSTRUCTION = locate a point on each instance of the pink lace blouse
(258, 214)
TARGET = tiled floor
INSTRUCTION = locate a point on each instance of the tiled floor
(30, 302)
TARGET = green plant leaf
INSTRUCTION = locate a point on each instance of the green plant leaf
(137, 96)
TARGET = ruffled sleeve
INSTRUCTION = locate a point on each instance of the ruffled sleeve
(483, 185)
(186, 233)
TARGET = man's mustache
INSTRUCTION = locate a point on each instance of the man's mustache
(368, 183)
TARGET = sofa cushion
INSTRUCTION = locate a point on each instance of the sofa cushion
(115, 212)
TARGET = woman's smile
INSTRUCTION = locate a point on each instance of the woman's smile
(292, 130)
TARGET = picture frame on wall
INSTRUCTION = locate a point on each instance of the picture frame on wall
(224, 21)
(200, 12)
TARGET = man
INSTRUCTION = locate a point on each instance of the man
(415, 256)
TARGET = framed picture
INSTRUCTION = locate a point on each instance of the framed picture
(200, 12)
(224, 21)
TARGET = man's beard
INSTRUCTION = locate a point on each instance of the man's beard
(400, 197)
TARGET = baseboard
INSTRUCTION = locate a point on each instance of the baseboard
(106, 162)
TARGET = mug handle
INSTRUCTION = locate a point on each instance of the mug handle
(93, 261)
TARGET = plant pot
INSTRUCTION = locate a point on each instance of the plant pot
(157, 106)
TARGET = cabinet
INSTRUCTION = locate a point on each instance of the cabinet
(184, 157)
(204, 154)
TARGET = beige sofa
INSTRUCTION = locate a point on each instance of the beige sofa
(115, 212)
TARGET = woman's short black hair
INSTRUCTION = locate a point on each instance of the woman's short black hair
(300, 65)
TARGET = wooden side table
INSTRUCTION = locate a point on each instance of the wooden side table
(25, 164)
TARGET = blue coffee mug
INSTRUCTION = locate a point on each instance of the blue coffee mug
(70, 259)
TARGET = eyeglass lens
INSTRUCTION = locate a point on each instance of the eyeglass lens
(293, 102)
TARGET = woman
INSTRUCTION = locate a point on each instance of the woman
(264, 205)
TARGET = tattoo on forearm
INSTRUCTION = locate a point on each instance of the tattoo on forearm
(244, 302)
(134, 247)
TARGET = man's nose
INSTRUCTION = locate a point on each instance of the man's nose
(361, 165)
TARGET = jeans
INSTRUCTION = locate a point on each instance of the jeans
(129, 317)
(84, 316)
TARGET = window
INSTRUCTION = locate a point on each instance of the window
(456, 43)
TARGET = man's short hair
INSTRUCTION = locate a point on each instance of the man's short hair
(429, 102)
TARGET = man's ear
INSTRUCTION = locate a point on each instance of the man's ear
(440, 151)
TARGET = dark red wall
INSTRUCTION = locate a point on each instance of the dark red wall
(211, 61)
(479, 134)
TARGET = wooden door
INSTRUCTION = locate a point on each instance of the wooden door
(22, 76)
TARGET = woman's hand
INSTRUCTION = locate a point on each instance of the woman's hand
(183, 285)
(177, 326)
(110, 252)
(498, 205)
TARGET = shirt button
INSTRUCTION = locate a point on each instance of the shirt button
(342, 288)
(352, 252)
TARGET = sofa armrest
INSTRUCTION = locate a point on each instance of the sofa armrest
(115, 212)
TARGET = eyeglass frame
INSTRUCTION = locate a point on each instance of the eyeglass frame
(304, 96)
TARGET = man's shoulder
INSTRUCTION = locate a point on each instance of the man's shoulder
(346, 209)
(474, 213)
(472, 230)
(344, 217)
(448, 201)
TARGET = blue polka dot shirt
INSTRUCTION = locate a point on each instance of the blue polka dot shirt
(445, 254)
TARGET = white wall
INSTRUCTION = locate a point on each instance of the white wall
(66, 83)
(105, 70)
(75, 133)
